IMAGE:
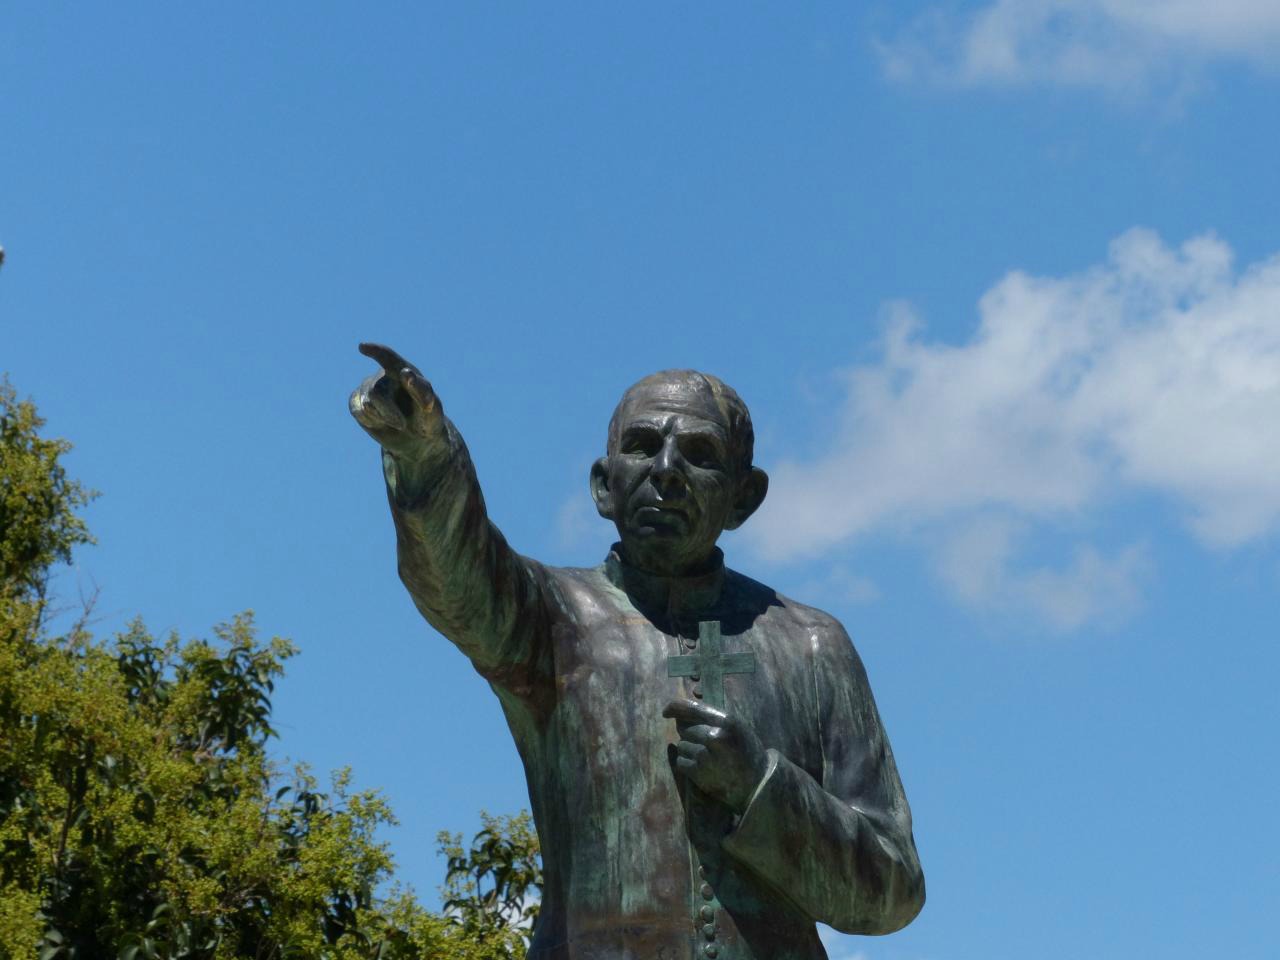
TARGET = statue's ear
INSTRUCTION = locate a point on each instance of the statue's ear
(751, 494)
(600, 491)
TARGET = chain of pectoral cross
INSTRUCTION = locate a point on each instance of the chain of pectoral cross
(708, 665)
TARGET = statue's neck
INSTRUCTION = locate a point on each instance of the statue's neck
(687, 595)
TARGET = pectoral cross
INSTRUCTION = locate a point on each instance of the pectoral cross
(708, 666)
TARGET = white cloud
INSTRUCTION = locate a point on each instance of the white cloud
(577, 524)
(1156, 371)
(977, 562)
(839, 582)
(1123, 46)
(577, 521)
(839, 946)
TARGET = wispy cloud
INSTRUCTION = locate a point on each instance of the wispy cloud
(577, 521)
(839, 946)
(841, 583)
(1120, 46)
(1157, 371)
(980, 563)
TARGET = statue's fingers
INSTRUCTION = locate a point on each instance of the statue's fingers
(358, 404)
(387, 358)
(700, 733)
(373, 406)
(686, 766)
(693, 711)
(691, 750)
(362, 407)
(419, 388)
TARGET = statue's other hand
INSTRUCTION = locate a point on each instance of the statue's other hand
(718, 753)
(397, 407)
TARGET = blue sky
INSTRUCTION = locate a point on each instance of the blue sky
(998, 280)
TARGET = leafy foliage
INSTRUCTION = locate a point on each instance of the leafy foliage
(488, 887)
(38, 503)
(140, 814)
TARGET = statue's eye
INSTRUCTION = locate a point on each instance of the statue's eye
(643, 442)
(700, 452)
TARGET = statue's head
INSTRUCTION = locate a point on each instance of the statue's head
(678, 470)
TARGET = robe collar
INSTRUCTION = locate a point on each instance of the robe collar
(673, 595)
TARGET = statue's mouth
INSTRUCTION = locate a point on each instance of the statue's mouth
(661, 515)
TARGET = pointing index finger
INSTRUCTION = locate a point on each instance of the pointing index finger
(691, 711)
(387, 358)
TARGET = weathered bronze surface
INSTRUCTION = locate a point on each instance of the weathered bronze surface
(706, 765)
(708, 666)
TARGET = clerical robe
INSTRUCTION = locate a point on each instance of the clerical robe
(640, 864)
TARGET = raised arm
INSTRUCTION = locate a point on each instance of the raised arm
(465, 579)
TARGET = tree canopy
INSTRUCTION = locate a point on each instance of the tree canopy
(141, 813)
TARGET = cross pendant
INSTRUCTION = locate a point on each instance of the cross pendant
(709, 666)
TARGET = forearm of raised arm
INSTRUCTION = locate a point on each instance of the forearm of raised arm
(464, 578)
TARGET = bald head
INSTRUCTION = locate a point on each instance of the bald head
(687, 388)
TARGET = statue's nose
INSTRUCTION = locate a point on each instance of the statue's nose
(666, 473)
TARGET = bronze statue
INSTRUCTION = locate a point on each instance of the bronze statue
(707, 769)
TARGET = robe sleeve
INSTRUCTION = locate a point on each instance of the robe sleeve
(840, 850)
(463, 577)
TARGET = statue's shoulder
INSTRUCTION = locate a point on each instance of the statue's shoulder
(783, 614)
(822, 636)
(591, 579)
(584, 591)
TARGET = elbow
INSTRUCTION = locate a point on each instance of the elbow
(904, 906)
(903, 900)
(898, 901)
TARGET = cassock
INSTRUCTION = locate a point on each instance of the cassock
(639, 864)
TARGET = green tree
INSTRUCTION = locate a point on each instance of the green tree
(491, 887)
(140, 813)
(39, 526)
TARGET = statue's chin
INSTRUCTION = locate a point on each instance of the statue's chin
(656, 519)
(658, 550)
(658, 531)
(666, 544)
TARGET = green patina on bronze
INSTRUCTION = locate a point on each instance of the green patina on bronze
(707, 768)
(709, 666)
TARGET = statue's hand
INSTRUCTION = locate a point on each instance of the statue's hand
(397, 407)
(716, 752)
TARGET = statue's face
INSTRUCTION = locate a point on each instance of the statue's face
(674, 482)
